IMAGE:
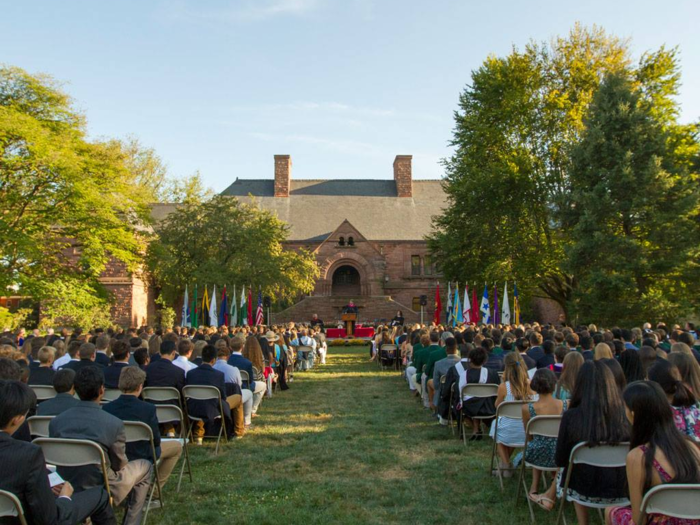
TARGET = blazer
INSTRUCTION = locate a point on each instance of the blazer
(78, 365)
(41, 376)
(494, 362)
(112, 373)
(131, 408)
(25, 476)
(102, 359)
(87, 420)
(242, 363)
(535, 353)
(163, 373)
(56, 405)
(205, 375)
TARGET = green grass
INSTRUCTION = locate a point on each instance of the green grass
(347, 444)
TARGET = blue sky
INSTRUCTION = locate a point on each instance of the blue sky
(341, 85)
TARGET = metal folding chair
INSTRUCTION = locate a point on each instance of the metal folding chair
(388, 349)
(173, 415)
(139, 431)
(10, 506)
(110, 395)
(245, 377)
(508, 410)
(302, 360)
(162, 394)
(476, 390)
(43, 392)
(601, 456)
(206, 393)
(676, 501)
(543, 426)
(39, 425)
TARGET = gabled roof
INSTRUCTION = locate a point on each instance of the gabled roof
(347, 230)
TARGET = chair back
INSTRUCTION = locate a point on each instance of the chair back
(480, 390)
(39, 425)
(11, 506)
(545, 426)
(137, 431)
(604, 456)
(160, 393)
(245, 377)
(43, 392)
(680, 501)
(110, 395)
(390, 348)
(169, 414)
(511, 409)
(201, 392)
(304, 349)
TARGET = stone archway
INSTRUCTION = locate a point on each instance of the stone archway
(346, 281)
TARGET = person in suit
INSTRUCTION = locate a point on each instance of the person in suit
(43, 374)
(184, 350)
(129, 481)
(101, 345)
(163, 372)
(25, 474)
(536, 352)
(87, 354)
(121, 352)
(258, 388)
(128, 407)
(70, 355)
(205, 374)
(65, 395)
(441, 368)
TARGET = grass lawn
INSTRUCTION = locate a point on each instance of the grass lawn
(346, 444)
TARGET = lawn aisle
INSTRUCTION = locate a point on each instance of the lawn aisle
(346, 444)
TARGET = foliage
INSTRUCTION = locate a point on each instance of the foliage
(166, 315)
(225, 242)
(77, 303)
(13, 320)
(186, 190)
(633, 211)
(64, 198)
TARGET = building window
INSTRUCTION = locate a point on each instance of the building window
(415, 264)
(416, 304)
(428, 267)
(341, 241)
(351, 241)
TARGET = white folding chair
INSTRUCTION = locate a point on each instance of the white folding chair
(478, 390)
(43, 392)
(303, 353)
(680, 501)
(162, 394)
(508, 410)
(10, 506)
(173, 415)
(388, 349)
(206, 393)
(110, 395)
(601, 456)
(139, 431)
(75, 453)
(543, 426)
(39, 425)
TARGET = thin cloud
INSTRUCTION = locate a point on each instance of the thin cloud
(239, 12)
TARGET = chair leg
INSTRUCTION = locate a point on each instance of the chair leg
(561, 508)
(218, 438)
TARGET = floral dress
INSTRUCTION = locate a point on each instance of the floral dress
(541, 450)
(623, 515)
(687, 420)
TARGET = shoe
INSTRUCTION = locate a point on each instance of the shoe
(154, 504)
(442, 421)
(505, 470)
(199, 441)
(170, 434)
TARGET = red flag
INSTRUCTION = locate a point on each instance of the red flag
(476, 316)
(438, 305)
(250, 306)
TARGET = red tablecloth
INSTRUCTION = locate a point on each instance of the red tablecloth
(364, 332)
(334, 333)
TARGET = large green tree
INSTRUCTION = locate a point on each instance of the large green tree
(63, 196)
(633, 212)
(226, 242)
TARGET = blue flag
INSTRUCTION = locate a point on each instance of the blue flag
(485, 309)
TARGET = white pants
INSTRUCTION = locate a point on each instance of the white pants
(258, 394)
(322, 351)
(424, 390)
(247, 405)
(410, 373)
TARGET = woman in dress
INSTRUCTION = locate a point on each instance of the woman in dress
(541, 450)
(659, 454)
(687, 366)
(567, 380)
(683, 402)
(253, 352)
(515, 387)
(475, 406)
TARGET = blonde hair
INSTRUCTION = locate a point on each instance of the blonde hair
(253, 352)
(602, 351)
(572, 364)
(516, 374)
(131, 378)
(46, 354)
(683, 349)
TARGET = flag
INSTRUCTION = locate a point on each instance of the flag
(195, 309)
(448, 310)
(205, 305)
(259, 317)
(475, 310)
(496, 312)
(213, 313)
(485, 308)
(185, 310)
(234, 308)
(250, 307)
(223, 312)
(467, 307)
(242, 310)
(505, 314)
(438, 305)
(516, 304)
(457, 309)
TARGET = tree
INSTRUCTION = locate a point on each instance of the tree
(633, 209)
(225, 242)
(64, 197)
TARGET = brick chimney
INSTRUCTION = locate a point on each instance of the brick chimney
(283, 175)
(403, 175)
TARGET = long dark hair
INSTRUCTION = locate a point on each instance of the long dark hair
(654, 427)
(599, 401)
(669, 379)
(632, 366)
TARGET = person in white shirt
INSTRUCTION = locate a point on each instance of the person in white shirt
(70, 355)
(184, 350)
(233, 375)
(307, 358)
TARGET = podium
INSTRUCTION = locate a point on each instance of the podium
(349, 320)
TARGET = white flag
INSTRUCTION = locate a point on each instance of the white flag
(505, 308)
(244, 313)
(213, 314)
(185, 306)
(467, 306)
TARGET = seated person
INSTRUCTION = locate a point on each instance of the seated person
(315, 321)
(142, 358)
(87, 354)
(163, 372)
(681, 398)
(70, 356)
(43, 374)
(128, 407)
(65, 395)
(232, 379)
(184, 350)
(101, 346)
(129, 481)
(121, 351)
(441, 368)
(25, 474)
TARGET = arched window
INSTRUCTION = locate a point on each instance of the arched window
(351, 241)
(341, 241)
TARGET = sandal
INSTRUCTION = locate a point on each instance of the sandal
(542, 501)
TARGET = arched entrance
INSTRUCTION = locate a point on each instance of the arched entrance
(346, 281)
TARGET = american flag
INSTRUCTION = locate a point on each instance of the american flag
(259, 318)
